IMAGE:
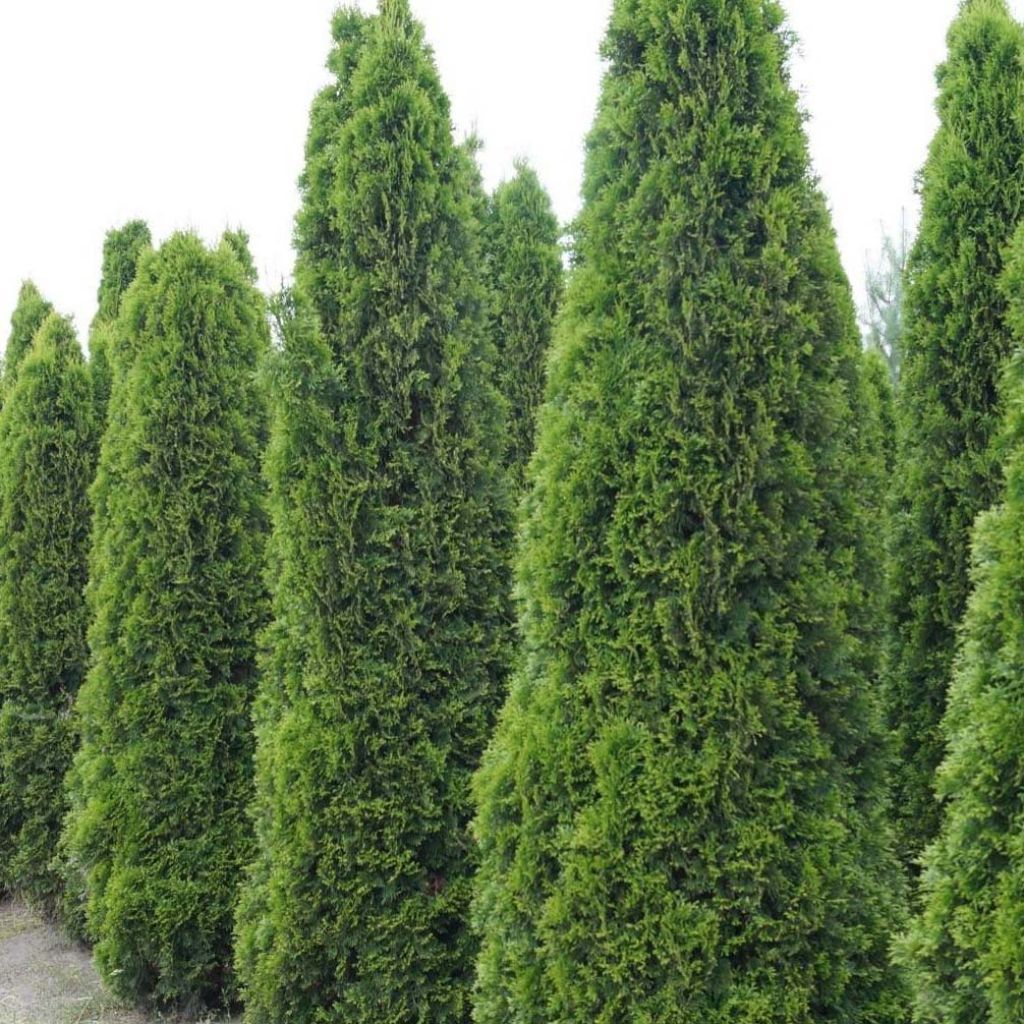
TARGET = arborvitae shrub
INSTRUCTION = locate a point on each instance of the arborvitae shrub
(682, 814)
(47, 459)
(955, 342)
(28, 316)
(158, 825)
(122, 250)
(389, 649)
(967, 947)
(524, 269)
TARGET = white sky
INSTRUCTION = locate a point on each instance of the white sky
(193, 114)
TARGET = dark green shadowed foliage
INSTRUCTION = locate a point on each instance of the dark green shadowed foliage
(28, 316)
(525, 276)
(967, 947)
(682, 815)
(158, 827)
(955, 342)
(881, 399)
(388, 654)
(48, 442)
(122, 250)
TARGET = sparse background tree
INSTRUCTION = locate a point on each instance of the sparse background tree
(885, 282)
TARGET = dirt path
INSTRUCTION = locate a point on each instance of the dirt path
(44, 979)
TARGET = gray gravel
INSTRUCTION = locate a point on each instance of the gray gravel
(45, 979)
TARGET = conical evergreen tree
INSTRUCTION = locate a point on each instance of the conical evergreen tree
(47, 459)
(967, 947)
(955, 342)
(122, 250)
(682, 814)
(390, 644)
(524, 263)
(160, 787)
(28, 316)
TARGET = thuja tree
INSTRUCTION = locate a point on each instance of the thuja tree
(390, 642)
(47, 446)
(881, 398)
(28, 316)
(122, 250)
(967, 946)
(955, 341)
(682, 813)
(524, 268)
(158, 826)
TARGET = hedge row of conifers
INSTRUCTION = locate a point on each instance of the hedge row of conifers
(394, 651)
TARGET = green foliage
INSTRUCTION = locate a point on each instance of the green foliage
(47, 457)
(28, 316)
(318, 236)
(122, 250)
(967, 946)
(158, 827)
(878, 378)
(388, 654)
(955, 343)
(682, 814)
(524, 264)
(238, 241)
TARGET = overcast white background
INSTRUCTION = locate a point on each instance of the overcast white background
(192, 114)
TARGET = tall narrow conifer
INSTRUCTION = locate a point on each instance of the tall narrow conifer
(524, 267)
(389, 648)
(967, 947)
(682, 814)
(47, 445)
(159, 790)
(955, 342)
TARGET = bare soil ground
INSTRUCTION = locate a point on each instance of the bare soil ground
(45, 979)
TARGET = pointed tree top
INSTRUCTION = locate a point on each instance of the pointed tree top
(57, 334)
(121, 250)
(396, 14)
(32, 309)
(236, 241)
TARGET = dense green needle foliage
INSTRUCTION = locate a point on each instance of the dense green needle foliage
(955, 342)
(28, 316)
(48, 441)
(122, 249)
(682, 814)
(388, 654)
(525, 275)
(967, 947)
(158, 826)
(882, 400)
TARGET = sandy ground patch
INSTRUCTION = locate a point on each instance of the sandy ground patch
(45, 979)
